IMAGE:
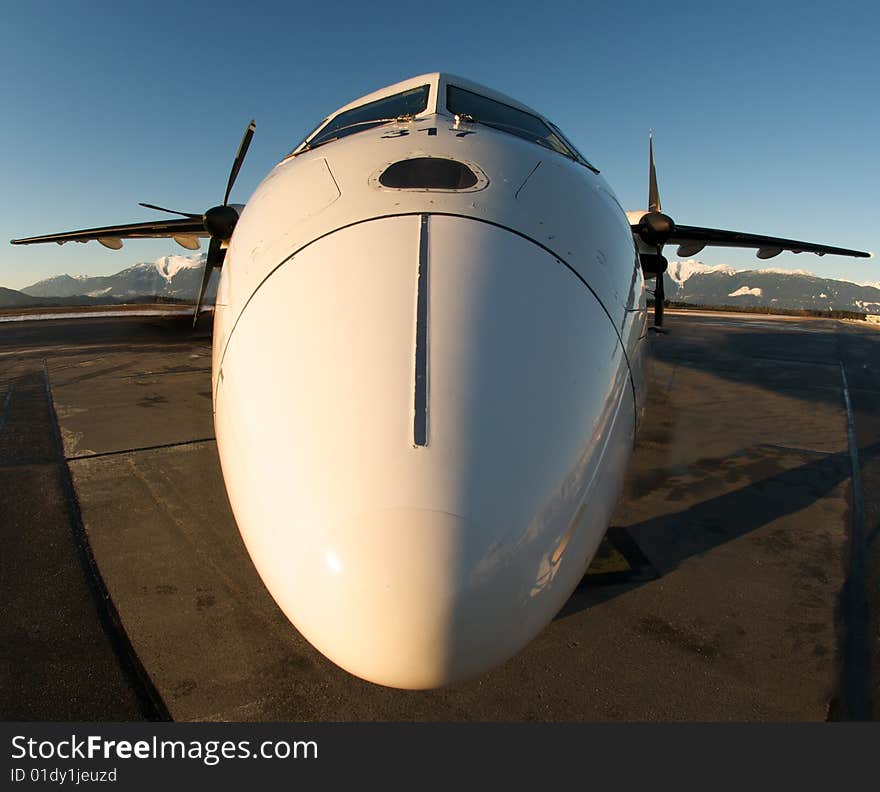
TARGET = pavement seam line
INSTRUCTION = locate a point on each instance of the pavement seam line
(141, 448)
(855, 683)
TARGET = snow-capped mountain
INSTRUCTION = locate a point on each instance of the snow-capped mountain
(168, 276)
(701, 284)
(688, 281)
(680, 271)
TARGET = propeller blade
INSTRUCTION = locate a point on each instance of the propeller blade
(190, 215)
(210, 262)
(659, 296)
(239, 158)
(653, 189)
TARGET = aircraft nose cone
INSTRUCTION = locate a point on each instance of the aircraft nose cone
(423, 422)
(385, 590)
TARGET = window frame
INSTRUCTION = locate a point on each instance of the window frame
(570, 152)
(317, 137)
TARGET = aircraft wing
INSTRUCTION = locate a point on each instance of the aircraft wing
(112, 236)
(654, 229)
(692, 239)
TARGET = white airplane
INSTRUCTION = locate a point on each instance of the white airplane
(428, 371)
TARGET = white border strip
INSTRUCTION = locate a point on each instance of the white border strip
(95, 315)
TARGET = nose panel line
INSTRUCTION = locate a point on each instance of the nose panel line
(555, 255)
(420, 418)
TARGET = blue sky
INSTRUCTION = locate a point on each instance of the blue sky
(765, 115)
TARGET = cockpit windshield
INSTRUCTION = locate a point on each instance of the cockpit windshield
(382, 111)
(510, 119)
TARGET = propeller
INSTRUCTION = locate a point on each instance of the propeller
(654, 229)
(219, 221)
(190, 215)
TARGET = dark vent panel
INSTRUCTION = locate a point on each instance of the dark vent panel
(428, 173)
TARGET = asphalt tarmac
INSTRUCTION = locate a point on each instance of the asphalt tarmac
(739, 584)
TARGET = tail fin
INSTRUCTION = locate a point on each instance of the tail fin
(653, 189)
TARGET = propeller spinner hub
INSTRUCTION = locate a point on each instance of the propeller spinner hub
(655, 228)
(220, 221)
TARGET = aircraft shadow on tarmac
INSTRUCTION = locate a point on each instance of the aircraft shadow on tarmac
(800, 364)
(701, 527)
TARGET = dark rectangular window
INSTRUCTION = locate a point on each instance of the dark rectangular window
(372, 114)
(511, 120)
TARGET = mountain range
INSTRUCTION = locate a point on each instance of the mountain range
(702, 284)
(169, 276)
(693, 282)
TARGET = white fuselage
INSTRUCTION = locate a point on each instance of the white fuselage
(425, 399)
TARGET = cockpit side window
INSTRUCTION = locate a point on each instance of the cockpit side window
(577, 155)
(510, 119)
(367, 116)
